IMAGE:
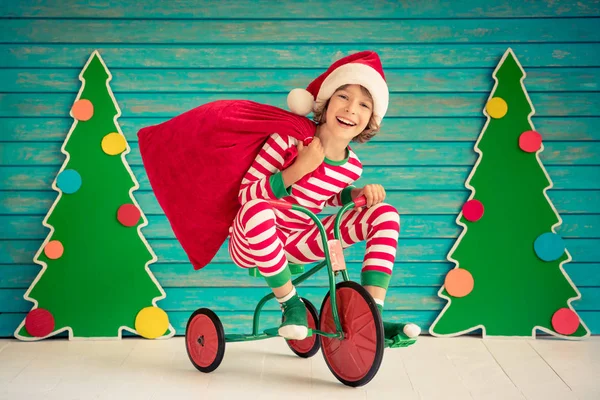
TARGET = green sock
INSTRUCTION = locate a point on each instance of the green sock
(390, 329)
(382, 280)
(280, 279)
(295, 321)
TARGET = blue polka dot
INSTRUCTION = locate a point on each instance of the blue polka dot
(69, 181)
(549, 246)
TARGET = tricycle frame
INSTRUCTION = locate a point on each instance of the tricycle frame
(297, 281)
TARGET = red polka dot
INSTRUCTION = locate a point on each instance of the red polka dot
(128, 215)
(530, 141)
(459, 282)
(473, 210)
(39, 322)
(565, 321)
(82, 110)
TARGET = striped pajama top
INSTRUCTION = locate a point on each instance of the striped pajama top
(330, 184)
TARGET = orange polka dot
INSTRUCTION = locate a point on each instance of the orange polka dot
(459, 282)
(54, 249)
(82, 110)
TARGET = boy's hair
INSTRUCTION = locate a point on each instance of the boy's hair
(372, 127)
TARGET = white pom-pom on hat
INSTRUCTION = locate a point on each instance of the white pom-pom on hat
(300, 101)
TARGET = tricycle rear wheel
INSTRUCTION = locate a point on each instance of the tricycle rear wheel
(205, 340)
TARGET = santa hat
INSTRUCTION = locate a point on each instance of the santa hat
(362, 68)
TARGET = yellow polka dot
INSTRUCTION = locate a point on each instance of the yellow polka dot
(496, 107)
(151, 322)
(114, 143)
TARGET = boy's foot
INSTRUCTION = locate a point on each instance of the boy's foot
(295, 321)
(391, 329)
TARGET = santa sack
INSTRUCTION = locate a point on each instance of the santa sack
(195, 163)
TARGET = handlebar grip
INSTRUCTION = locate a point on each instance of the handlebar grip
(360, 201)
(282, 204)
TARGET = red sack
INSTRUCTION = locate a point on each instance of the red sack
(196, 161)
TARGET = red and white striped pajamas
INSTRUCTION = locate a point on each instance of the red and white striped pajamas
(267, 238)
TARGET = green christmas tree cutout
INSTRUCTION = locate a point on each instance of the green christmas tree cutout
(509, 278)
(95, 280)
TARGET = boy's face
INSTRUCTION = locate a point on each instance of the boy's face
(349, 112)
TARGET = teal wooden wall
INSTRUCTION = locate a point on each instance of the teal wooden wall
(439, 57)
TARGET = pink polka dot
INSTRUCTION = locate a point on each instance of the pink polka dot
(472, 210)
(565, 321)
(530, 141)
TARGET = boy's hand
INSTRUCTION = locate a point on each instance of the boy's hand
(374, 194)
(311, 156)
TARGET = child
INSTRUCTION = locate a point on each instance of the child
(351, 99)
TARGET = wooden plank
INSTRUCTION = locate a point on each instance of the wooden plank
(428, 363)
(305, 9)
(20, 276)
(250, 56)
(401, 178)
(528, 371)
(411, 250)
(16, 358)
(245, 299)
(582, 250)
(583, 274)
(405, 274)
(577, 364)
(229, 275)
(406, 202)
(231, 31)
(54, 80)
(476, 368)
(233, 321)
(393, 128)
(401, 105)
(412, 226)
(241, 322)
(370, 154)
(392, 178)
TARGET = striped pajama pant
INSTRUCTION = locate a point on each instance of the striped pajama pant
(258, 240)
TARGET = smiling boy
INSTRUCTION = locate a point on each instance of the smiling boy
(351, 100)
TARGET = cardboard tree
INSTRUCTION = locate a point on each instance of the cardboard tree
(509, 278)
(95, 279)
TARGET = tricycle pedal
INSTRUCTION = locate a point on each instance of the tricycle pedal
(399, 341)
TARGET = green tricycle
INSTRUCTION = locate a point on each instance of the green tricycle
(348, 329)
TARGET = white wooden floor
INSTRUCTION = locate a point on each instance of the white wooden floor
(434, 368)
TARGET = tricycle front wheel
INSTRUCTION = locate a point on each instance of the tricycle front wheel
(355, 359)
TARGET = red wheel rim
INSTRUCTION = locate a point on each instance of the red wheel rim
(202, 340)
(304, 345)
(353, 357)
